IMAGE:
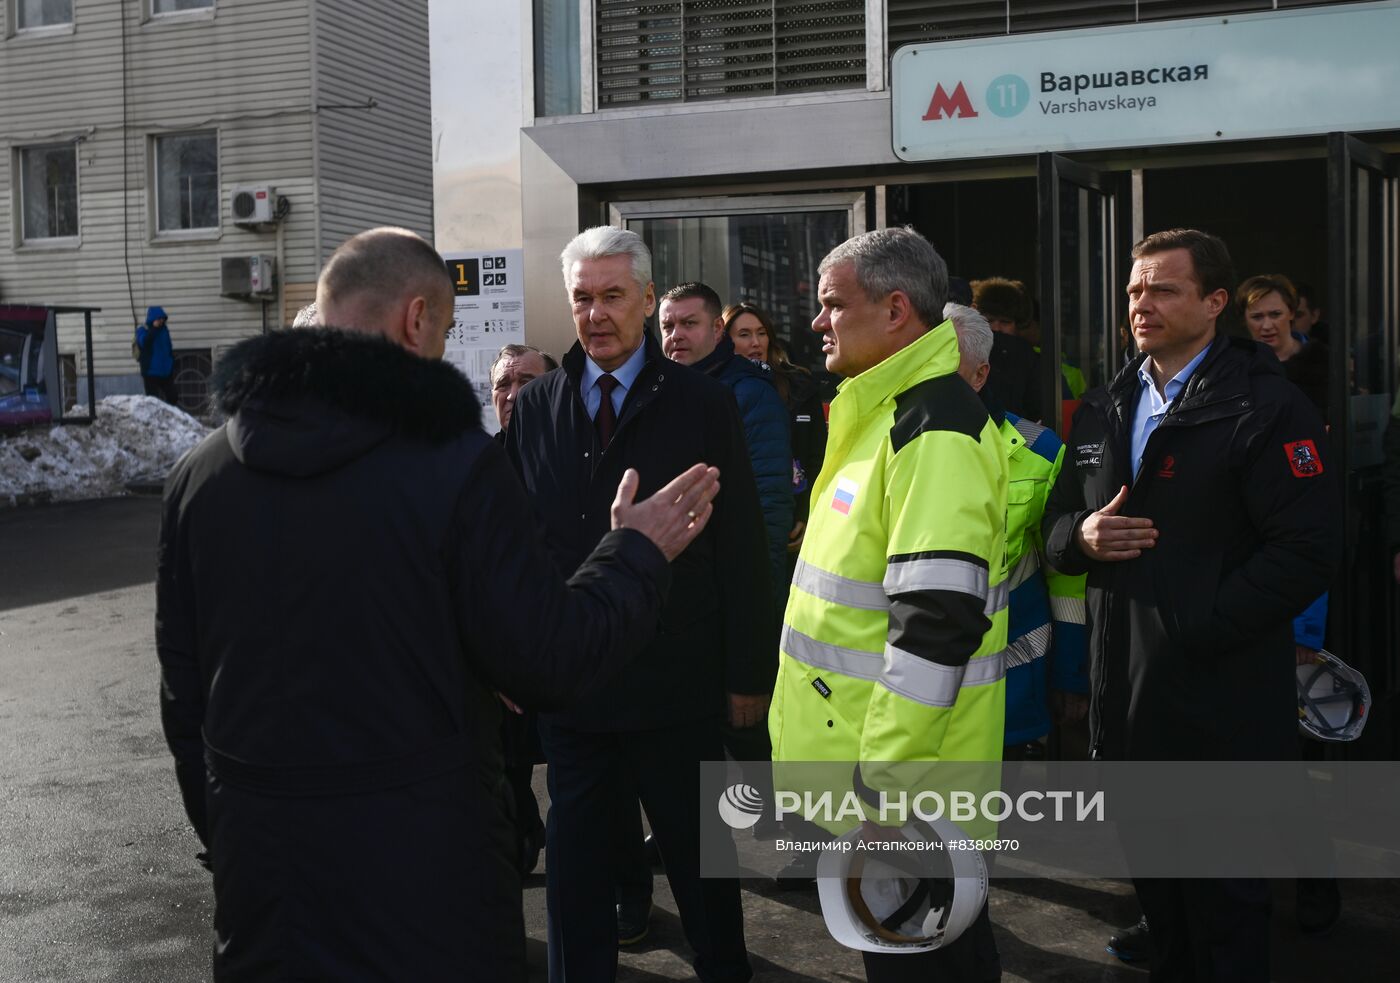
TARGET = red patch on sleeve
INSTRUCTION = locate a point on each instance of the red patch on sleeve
(1303, 458)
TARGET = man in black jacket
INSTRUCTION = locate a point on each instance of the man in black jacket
(347, 575)
(1198, 496)
(617, 403)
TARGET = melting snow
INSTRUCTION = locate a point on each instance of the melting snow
(134, 436)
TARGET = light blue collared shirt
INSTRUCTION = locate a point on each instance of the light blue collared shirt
(1152, 406)
(625, 374)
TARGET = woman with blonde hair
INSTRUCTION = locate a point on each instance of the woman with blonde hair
(1267, 304)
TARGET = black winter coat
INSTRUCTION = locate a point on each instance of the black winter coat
(718, 633)
(1014, 383)
(1191, 644)
(808, 417)
(347, 570)
(1392, 479)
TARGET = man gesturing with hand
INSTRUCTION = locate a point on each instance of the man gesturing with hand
(347, 571)
(615, 404)
(1106, 535)
(1200, 498)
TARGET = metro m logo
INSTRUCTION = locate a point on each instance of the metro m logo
(944, 106)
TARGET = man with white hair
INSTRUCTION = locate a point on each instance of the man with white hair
(1045, 670)
(618, 403)
(347, 574)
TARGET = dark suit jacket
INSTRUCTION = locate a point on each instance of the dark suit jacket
(717, 632)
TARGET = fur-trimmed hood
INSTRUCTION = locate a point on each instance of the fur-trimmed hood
(306, 401)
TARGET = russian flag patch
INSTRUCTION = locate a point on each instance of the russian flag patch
(845, 495)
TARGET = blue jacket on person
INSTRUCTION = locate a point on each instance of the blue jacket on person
(1310, 627)
(769, 442)
(157, 354)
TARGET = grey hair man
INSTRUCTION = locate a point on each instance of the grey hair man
(893, 267)
(618, 403)
(975, 342)
(910, 505)
(513, 367)
(305, 317)
(1047, 672)
(347, 572)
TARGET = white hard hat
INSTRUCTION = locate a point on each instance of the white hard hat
(1333, 699)
(873, 906)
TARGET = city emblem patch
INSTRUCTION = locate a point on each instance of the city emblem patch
(1303, 459)
(845, 495)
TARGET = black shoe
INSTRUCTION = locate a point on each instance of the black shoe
(1319, 904)
(767, 828)
(530, 846)
(653, 853)
(799, 874)
(633, 922)
(1132, 945)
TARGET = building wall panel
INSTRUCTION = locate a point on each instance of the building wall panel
(245, 72)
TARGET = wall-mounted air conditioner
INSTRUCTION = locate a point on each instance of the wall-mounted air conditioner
(253, 205)
(249, 276)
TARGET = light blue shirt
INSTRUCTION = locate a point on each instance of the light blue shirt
(625, 374)
(1152, 406)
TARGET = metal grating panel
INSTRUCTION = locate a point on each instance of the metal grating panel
(917, 21)
(691, 50)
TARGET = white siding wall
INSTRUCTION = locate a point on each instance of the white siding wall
(245, 71)
(376, 165)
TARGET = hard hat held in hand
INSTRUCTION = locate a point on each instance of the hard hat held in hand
(871, 905)
(1333, 699)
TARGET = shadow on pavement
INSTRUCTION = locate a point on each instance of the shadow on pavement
(73, 549)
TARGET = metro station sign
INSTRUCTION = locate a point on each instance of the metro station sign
(1241, 77)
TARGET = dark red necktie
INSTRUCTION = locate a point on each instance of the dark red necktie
(606, 418)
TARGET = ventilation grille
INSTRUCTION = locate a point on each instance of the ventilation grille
(693, 50)
(245, 205)
(916, 21)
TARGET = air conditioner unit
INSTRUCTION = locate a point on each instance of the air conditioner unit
(253, 204)
(249, 276)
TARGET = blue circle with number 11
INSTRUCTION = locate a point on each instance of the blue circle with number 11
(1008, 95)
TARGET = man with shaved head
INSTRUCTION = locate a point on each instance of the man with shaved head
(348, 575)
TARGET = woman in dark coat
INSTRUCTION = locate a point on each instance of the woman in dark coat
(754, 337)
(1267, 304)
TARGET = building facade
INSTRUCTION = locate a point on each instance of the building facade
(743, 140)
(129, 130)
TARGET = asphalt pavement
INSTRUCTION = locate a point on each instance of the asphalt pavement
(98, 879)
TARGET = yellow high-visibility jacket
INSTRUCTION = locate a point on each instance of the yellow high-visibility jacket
(893, 638)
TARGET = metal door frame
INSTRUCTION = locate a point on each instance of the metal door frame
(1346, 154)
(1114, 187)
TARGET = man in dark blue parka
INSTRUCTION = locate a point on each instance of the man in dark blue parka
(692, 333)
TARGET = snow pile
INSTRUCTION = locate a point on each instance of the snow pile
(134, 436)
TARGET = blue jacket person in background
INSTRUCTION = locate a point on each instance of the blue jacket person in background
(156, 355)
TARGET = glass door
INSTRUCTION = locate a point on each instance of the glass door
(1362, 286)
(760, 249)
(1083, 249)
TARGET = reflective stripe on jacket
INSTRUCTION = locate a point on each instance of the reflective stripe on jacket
(893, 639)
(1046, 616)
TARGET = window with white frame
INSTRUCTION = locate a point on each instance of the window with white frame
(187, 181)
(31, 14)
(48, 192)
(159, 7)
